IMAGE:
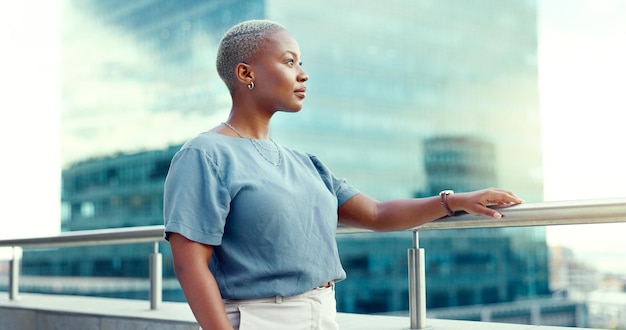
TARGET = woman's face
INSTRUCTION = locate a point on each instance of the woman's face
(278, 74)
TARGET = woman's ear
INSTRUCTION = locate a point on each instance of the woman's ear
(244, 73)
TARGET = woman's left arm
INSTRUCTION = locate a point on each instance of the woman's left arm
(362, 211)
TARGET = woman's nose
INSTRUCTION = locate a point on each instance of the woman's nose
(303, 76)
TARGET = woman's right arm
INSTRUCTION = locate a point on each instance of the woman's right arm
(191, 264)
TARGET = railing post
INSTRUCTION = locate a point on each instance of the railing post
(156, 278)
(417, 286)
(14, 273)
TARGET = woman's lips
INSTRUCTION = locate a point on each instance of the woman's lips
(300, 92)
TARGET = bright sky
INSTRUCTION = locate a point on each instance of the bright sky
(582, 58)
(30, 117)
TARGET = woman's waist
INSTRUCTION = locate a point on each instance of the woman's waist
(330, 285)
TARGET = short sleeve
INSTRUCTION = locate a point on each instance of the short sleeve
(339, 186)
(195, 199)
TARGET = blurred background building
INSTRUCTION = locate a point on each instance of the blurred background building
(405, 99)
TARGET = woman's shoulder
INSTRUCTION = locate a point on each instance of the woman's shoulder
(210, 141)
(217, 147)
(319, 165)
(313, 160)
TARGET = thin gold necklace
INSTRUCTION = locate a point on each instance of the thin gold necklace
(258, 146)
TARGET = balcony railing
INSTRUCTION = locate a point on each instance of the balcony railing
(532, 214)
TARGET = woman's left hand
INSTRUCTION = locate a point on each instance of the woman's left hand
(476, 202)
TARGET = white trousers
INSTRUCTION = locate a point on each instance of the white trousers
(312, 310)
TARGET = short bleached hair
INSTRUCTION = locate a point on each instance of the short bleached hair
(240, 44)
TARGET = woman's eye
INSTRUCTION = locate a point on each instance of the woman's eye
(292, 62)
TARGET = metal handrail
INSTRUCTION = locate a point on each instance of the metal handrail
(124, 235)
(553, 213)
(542, 214)
(523, 215)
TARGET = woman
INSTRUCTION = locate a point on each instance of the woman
(252, 224)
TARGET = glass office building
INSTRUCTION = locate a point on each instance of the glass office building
(404, 99)
(384, 78)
